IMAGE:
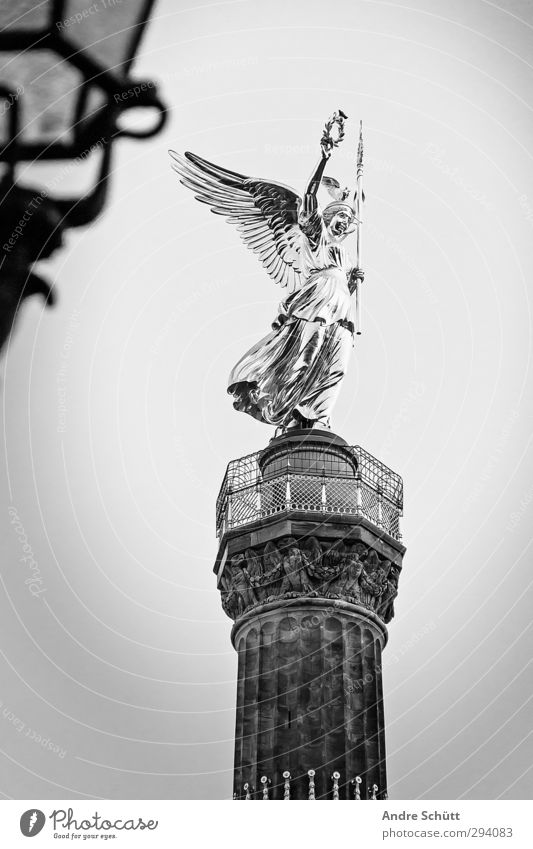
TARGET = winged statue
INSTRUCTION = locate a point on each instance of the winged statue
(291, 377)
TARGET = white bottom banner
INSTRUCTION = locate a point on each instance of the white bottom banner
(154, 823)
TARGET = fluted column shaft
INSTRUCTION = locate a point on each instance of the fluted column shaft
(309, 697)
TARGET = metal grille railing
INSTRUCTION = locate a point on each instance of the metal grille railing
(375, 492)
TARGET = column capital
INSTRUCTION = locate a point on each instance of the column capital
(358, 573)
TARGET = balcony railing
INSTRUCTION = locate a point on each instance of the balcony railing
(374, 492)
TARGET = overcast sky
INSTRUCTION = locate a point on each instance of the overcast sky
(124, 660)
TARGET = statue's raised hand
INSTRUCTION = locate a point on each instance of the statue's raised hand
(326, 146)
(328, 140)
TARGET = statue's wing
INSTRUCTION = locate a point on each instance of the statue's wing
(265, 213)
(334, 188)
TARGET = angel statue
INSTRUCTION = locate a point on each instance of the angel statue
(291, 378)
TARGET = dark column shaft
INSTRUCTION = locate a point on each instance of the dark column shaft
(311, 700)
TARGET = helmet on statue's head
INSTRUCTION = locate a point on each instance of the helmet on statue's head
(345, 215)
(338, 206)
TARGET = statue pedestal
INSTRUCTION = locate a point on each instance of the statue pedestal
(308, 569)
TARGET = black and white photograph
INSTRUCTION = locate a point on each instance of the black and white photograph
(267, 420)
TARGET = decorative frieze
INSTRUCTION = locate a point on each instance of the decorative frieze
(289, 568)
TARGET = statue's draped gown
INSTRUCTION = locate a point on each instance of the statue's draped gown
(295, 371)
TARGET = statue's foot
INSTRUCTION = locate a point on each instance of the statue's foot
(300, 422)
(294, 423)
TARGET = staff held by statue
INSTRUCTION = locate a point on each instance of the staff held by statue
(359, 198)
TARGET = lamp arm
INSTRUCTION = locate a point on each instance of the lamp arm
(79, 212)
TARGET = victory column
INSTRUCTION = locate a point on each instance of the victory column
(310, 549)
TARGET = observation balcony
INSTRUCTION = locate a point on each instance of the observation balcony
(314, 472)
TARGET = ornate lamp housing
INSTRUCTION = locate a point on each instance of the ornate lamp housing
(65, 80)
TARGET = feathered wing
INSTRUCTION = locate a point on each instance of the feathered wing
(265, 213)
(334, 188)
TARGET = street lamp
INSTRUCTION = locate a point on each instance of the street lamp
(65, 82)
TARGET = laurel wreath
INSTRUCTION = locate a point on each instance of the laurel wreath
(328, 139)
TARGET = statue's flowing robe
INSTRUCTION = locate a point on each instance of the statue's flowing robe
(295, 371)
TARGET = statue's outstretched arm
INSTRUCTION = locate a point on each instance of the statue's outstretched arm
(310, 200)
